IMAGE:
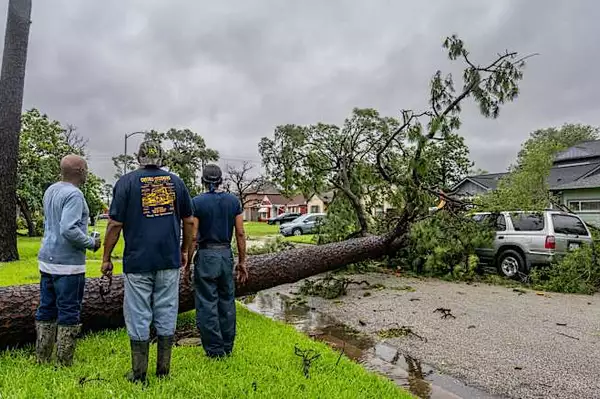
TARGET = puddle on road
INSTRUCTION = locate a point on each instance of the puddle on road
(409, 373)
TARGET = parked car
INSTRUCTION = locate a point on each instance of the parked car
(283, 218)
(305, 224)
(527, 239)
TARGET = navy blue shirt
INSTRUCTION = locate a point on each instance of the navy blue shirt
(150, 202)
(216, 213)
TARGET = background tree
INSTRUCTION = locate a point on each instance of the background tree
(242, 182)
(563, 137)
(44, 142)
(41, 148)
(185, 155)
(119, 164)
(12, 83)
(107, 191)
(310, 159)
(448, 161)
(92, 191)
(477, 171)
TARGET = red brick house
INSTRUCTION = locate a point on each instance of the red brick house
(269, 202)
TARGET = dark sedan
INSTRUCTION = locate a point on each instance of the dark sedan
(284, 218)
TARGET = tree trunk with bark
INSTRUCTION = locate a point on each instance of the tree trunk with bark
(18, 303)
(12, 82)
(31, 230)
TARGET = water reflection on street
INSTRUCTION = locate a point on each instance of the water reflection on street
(421, 380)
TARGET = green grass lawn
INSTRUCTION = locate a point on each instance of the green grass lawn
(260, 229)
(256, 230)
(25, 271)
(263, 366)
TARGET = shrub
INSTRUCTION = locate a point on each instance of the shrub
(576, 272)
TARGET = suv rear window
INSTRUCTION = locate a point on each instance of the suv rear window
(527, 221)
(565, 224)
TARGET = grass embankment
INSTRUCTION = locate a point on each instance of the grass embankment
(264, 365)
(25, 271)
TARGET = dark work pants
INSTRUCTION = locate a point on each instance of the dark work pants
(60, 298)
(215, 300)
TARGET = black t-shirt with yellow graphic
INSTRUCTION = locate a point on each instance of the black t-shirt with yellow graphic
(150, 202)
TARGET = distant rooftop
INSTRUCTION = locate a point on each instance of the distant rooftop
(581, 151)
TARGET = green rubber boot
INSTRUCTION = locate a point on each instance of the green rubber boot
(46, 337)
(163, 357)
(66, 343)
(139, 361)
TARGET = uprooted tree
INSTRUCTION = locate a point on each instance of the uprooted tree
(387, 151)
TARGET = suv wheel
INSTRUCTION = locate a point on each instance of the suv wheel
(297, 232)
(510, 263)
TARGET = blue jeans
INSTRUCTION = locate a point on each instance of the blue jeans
(215, 300)
(60, 298)
(151, 297)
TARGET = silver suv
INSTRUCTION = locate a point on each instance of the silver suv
(527, 239)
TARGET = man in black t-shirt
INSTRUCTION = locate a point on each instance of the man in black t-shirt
(216, 215)
(149, 205)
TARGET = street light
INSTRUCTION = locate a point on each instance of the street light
(128, 135)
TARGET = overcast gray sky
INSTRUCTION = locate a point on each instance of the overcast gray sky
(233, 70)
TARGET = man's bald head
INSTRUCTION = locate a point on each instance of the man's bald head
(73, 169)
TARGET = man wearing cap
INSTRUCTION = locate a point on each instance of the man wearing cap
(149, 205)
(216, 215)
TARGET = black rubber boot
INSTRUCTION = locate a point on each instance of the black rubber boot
(139, 361)
(65, 344)
(163, 356)
(46, 337)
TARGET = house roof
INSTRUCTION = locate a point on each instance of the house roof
(277, 199)
(297, 200)
(488, 181)
(561, 175)
(592, 181)
(583, 150)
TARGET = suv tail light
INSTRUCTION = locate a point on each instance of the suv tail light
(550, 242)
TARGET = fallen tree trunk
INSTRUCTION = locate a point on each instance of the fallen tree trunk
(18, 303)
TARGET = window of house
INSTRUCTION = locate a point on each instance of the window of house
(584, 205)
(315, 209)
(565, 224)
(528, 221)
(574, 206)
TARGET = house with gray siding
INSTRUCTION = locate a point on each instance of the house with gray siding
(574, 179)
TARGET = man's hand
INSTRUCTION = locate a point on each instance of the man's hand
(107, 268)
(242, 272)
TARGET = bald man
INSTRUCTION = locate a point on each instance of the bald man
(62, 263)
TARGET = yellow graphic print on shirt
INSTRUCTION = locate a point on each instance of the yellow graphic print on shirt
(158, 196)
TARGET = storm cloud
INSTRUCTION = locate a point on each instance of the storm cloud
(233, 70)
